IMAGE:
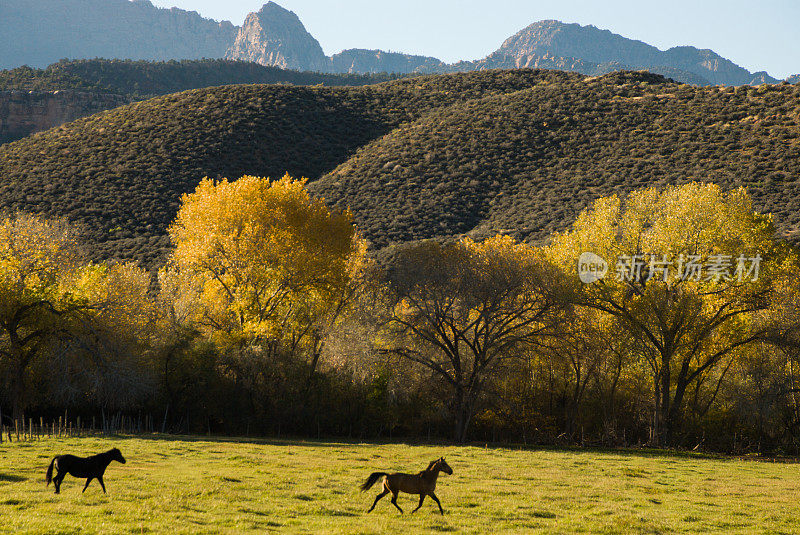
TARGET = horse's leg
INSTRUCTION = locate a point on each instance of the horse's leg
(378, 497)
(57, 482)
(421, 499)
(89, 480)
(432, 495)
(100, 479)
(394, 501)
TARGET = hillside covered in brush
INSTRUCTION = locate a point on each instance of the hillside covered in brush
(152, 78)
(28, 79)
(516, 151)
(120, 173)
(526, 163)
(146, 79)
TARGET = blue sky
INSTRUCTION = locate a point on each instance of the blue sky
(756, 34)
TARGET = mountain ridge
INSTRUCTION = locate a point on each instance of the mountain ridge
(600, 46)
(275, 36)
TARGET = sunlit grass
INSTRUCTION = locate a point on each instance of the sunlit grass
(205, 485)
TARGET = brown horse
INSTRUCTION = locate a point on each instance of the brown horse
(423, 483)
(90, 467)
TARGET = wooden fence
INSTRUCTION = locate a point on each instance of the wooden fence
(28, 429)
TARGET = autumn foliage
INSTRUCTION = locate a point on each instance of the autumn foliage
(261, 260)
(272, 315)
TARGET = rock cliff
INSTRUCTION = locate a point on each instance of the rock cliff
(25, 112)
(41, 32)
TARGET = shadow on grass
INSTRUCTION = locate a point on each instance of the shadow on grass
(264, 441)
(337, 443)
(11, 478)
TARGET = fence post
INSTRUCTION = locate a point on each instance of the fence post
(16, 429)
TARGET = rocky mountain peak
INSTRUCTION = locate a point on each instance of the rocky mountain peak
(275, 36)
(589, 43)
(593, 45)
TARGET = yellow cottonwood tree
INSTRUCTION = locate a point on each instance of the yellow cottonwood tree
(37, 258)
(260, 261)
(687, 268)
(49, 294)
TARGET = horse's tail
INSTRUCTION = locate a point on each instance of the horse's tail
(373, 477)
(49, 476)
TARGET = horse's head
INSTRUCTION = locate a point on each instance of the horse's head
(116, 455)
(442, 465)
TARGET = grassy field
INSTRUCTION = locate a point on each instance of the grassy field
(188, 485)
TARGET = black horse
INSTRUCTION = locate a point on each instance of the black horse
(89, 467)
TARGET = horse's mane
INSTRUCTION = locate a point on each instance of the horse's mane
(431, 465)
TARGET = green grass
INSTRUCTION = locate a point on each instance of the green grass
(216, 485)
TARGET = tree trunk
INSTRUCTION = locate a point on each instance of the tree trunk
(462, 414)
(18, 393)
(573, 407)
(312, 369)
(673, 418)
(656, 429)
(663, 432)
